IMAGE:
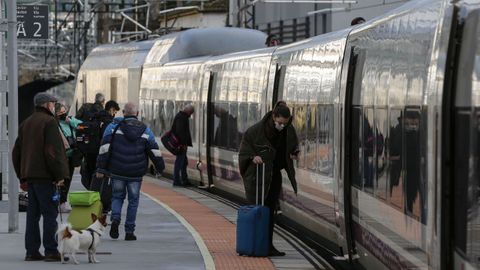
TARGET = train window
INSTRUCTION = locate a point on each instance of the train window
(220, 125)
(162, 125)
(415, 185)
(170, 112)
(369, 146)
(156, 124)
(395, 148)
(311, 152)
(325, 139)
(381, 127)
(300, 123)
(233, 138)
(253, 114)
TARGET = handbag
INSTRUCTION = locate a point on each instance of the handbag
(171, 143)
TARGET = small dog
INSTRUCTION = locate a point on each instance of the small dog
(71, 241)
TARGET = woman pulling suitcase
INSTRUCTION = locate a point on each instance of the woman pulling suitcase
(272, 141)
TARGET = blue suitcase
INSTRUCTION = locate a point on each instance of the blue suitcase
(253, 226)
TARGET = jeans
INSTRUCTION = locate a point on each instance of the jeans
(119, 192)
(40, 203)
(180, 176)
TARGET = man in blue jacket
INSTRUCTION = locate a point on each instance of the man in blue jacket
(126, 146)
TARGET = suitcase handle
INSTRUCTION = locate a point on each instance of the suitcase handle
(263, 185)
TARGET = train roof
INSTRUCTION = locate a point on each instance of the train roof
(241, 55)
(406, 8)
(204, 42)
(123, 55)
(313, 42)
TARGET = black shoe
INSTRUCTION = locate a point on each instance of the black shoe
(114, 229)
(130, 237)
(187, 184)
(178, 185)
(35, 257)
(275, 253)
(55, 258)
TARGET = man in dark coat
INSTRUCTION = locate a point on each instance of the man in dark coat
(88, 110)
(103, 118)
(127, 145)
(272, 141)
(181, 130)
(40, 161)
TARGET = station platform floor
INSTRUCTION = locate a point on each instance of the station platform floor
(177, 228)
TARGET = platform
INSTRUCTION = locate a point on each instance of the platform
(177, 228)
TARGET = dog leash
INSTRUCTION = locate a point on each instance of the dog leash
(57, 193)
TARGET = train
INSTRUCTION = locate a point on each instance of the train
(387, 114)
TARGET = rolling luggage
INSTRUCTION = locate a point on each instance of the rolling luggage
(83, 203)
(253, 226)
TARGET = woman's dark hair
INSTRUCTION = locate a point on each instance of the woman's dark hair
(58, 107)
(280, 103)
(112, 104)
(281, 111)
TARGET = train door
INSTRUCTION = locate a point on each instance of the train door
(352, 129)
(278, 84)
(461, 165)
(208, 122)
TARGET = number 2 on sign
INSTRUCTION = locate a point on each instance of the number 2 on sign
(38, 30)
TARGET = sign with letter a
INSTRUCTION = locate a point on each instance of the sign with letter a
(32, 21)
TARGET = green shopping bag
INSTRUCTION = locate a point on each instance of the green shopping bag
(83, 198)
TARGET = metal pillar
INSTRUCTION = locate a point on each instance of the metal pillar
(12, 65)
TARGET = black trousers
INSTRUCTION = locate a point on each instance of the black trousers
(40, 204)
(64, 190)
(271, 200)
(88, 168)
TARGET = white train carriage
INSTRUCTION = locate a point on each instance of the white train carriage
(388, 123)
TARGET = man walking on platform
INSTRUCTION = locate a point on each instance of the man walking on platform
(181, 129)
(40, 162)
(126, 146)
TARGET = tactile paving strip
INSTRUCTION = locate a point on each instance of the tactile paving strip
(217, 232)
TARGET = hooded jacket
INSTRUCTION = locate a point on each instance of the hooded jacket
(39, 153)
(133, 144)
(256, 143)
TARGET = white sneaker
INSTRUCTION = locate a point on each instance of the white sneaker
(65, 207)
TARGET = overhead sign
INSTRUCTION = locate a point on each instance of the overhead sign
(32, 21)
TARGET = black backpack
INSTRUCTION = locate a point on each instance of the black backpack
(88, 134)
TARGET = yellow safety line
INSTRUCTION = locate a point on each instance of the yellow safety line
(207, 257)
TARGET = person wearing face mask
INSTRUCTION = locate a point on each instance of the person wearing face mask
(68, 125)
(272, 141)
(40, 161)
